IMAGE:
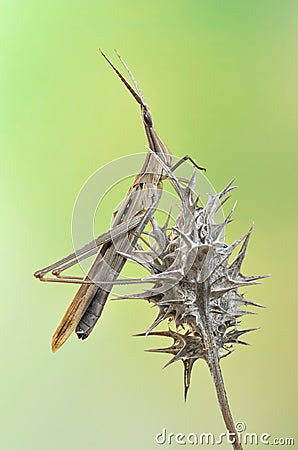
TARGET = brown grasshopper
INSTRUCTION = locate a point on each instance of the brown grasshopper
(130, 220)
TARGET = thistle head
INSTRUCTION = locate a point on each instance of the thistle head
(195, 282)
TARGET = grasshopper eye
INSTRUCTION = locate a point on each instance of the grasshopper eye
(148, 119)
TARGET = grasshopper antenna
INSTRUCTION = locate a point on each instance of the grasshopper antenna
(137, 95)
(134, 81)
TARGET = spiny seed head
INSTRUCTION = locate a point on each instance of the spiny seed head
(195, 285)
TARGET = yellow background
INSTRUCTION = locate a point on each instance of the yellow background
(221, 79)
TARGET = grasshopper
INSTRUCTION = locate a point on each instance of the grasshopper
(132, 217)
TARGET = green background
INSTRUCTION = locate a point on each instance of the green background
(221, 79)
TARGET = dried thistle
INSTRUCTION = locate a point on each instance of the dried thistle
(195, 287)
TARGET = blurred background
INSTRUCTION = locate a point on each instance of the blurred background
(220, 78)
